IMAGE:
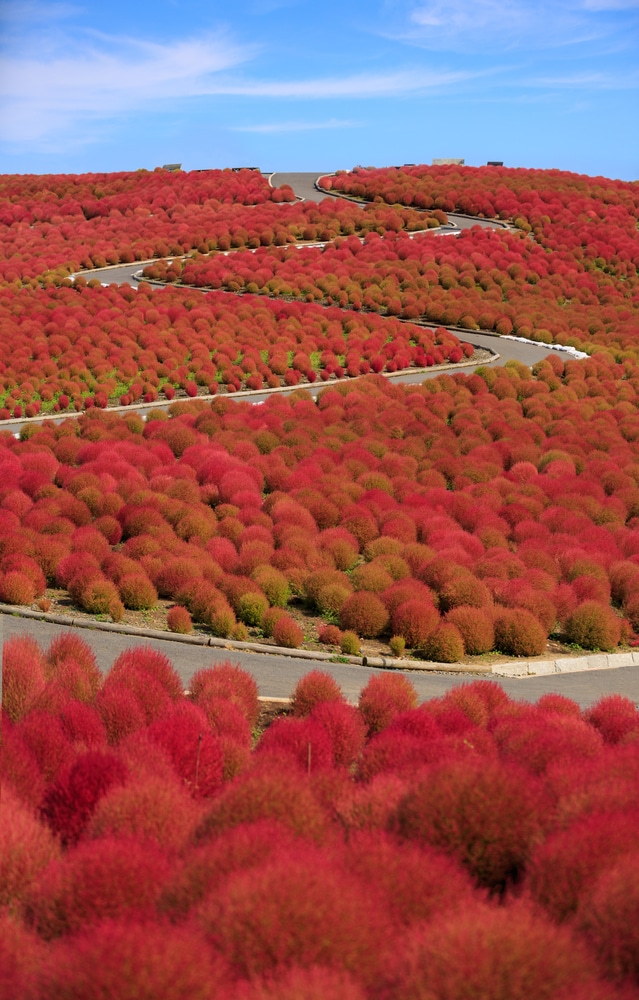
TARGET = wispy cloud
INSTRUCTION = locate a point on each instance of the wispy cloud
(495, 25)
(276, 127)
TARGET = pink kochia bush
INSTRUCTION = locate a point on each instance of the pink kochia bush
(384, 851)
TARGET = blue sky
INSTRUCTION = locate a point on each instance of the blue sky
(300, 85)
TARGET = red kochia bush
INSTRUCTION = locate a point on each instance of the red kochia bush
(266, 792)
(415, 620)
(23, 676)
(98, 879)
(179, 620)
(315, 983)
(184, 734)
(345, 727)
(120, 711)
(26, 847)
(69, 802)
(152, 663)
(304, 740)
(364, 614)
(537, 740)
(487, 813)
(519, 633)
(607, 916)
(414, 882)
(501, 953)
(445, 645)
(132, 961)
(298, 909)
(476, 628)
(228, 680)
(562, 870)
(69, 646)
(151, 807)
(312, 689)
(615, 717)
(287, 632)
(384, 697)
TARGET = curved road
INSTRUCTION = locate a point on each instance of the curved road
(277, 675)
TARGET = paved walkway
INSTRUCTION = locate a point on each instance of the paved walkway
(277, 675)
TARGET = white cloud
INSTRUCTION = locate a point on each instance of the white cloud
(276, 127)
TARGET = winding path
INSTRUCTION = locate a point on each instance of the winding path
(277, 675)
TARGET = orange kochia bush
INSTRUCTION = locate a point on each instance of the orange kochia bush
(390, 506)
(351, 852)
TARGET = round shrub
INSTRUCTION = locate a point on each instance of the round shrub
(137, 592)
(314, 983)
(329, 635)
(287, 633)
(364, 614)
(150, 807)
(179, 620)
(445, 645)
(464, 589)
(519, 633)
(185, 736)
(313, 689)
(269, 619)
(300, 909)
(475, 627)
(303, 740)
(70, 801)
(614, 716)
(274, 584)
(384, 697)
(26, 848)
(152, 664)
(23, 676)
(69, 646)
(415, 621)
(251, 608)
(132, 961)
(608, 918)
(228, 680)
(345, 727)
(502, 953)
(332, 597)
(17, 588)
(487, 813)
(372, 577)
(593, 625)
(97, 880)
(397, 645)
(349, 644)
(120, 711)
(266, 792)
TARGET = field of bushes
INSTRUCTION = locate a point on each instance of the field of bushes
(156, 842)
(160, 843)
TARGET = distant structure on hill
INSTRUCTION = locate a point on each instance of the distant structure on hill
(456, 161)
(495, 163)
(172, 167)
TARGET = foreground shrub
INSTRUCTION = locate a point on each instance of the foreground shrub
(486, 813)
(23, 676)
(607, 916)
(299, 909)
(615, 717)
(196, 754)
(69, 647)
(266, 793)
(26, 848)
(505, 953)
(151, 807)
(97, 880)
(384, 697)
(593, 625)
(519, 633)
(69, 802)
(314, 983)
(312, 689)
(132, 961)
(563, 868)
(303, 740)
(228, 680)
(345, 727)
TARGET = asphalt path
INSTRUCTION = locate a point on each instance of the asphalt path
(277, 676)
